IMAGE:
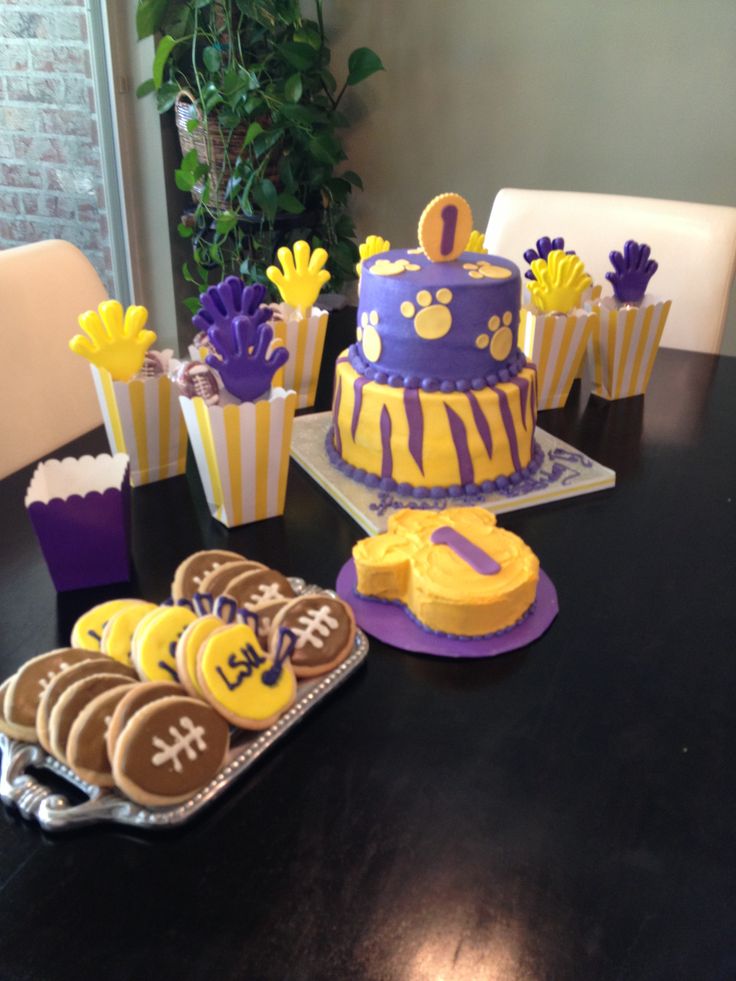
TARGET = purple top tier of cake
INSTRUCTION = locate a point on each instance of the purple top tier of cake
(438, 323)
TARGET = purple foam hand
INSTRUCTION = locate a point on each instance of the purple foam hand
(545, 245)
(633, 270)
(226, 300)
(244, 364)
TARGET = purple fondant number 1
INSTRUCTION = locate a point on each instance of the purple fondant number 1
(449, 224)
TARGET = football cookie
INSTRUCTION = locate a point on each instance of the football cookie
(96, 664)
(215, 582)
(71, 703)
(263, 592)
(190, 572)
(241, 682)
(153, 649)
(27, 686)
(324, 629)
(5, 727)
(169, 750)
(141, 694)
(117, 634)
(86, 747)
(87, 631)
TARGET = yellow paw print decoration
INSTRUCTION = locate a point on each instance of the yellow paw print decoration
(475, 243)
(369, 337)
(392, 267)
(433, 319)
(301, 277)
(486, 270)
(115, 341)
(501, 338)
(559, 282)
(373, 245)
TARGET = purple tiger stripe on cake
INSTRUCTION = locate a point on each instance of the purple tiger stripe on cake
(523, 385)
(335, 414)
(357, 404)
(387, 461)
(481, 424)
(460, 439)
(508, 424)
(415, 418)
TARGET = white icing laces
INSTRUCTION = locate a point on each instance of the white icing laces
(187, 742)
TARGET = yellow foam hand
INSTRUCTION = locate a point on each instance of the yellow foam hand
(475, 243)
(114, 341)
(559, 282)
(372, 246)
(301, 276)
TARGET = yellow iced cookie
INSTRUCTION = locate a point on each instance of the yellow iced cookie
(444, 227)
(187, 650)
(241, 682)
(87, 631)
(153, 649)
(117, 635)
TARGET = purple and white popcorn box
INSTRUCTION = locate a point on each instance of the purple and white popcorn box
(80, 511)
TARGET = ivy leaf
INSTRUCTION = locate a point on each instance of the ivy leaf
(266, 196)
(362, 63)
(328, 79)
(192, 124)
(308, 35)
(352, 178)
(145, 88)
(211, 58)
(192, 304)
(300, 56)
(148, 17)
(163, 50)
(166, 96)
(293, 88)
(184, 180)
(186, 231)
(226, 222)
(287, 202)
(189, 161)
(254, 130)
(325, 148)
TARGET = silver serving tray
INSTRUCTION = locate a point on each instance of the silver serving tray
(54, 812)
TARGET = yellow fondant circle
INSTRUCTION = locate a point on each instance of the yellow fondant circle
(118, 633)
(501, 344)
(371, 343)
(87, 631)
(155, 640)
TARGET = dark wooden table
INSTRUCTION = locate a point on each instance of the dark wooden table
(563, 812)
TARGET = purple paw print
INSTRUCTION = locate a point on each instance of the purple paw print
(634, 269)
(226, 300)
(243, 364)
(545, 245)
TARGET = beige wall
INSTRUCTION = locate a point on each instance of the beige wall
(631, 98)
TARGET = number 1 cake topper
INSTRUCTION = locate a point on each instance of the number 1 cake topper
(445, 227)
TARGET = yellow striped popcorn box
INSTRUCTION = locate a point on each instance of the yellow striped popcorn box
(624, 344)
(304, 338)
(242, 453)
(143, 419)
(555, 343)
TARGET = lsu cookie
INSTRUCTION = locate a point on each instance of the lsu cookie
(215, 582)
(87, 631)
(187, 649)
(117, 634)
(26, 687)
(153, 649)
(263, 592)
(241, 681)
(190, 572)
(141, 694)
(169, 750)
(71, 703)
(86, 747)
(96, 664)
(324, 628)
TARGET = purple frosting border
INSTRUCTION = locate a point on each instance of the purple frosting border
(432, 493)
(516, 363)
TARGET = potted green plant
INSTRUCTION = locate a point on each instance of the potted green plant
(259, 120)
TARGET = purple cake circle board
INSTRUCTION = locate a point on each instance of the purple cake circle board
(390, 624)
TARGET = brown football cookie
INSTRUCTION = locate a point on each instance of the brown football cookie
(12, 731)
(71, 703)
(324, 629)
(86, 747)
(263, 592)
(169, 750)
(27, 686)
(96, 664)
(191, 571)
(215, 582)
(143, 694)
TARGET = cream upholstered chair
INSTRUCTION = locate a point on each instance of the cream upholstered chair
(47, 396)
(694, 244)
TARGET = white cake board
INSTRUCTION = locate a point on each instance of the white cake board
(566, 472)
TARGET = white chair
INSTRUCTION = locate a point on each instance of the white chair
(694, 244)
(47, 396)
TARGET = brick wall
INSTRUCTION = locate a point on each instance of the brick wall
(50, 168)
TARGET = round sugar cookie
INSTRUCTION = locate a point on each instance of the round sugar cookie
(142, 694)
(190, 572)
(263, 592)
(187, 650)
(215, 582)
(96, 664)
(71, 703)
(117, 634)
(155, 640)
(169, 750)
(13, 732)
(324, 628)
(86, 747)
(240, 681)
(24, 692)
(87, 631)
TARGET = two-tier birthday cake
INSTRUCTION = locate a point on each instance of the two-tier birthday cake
(435, 398)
